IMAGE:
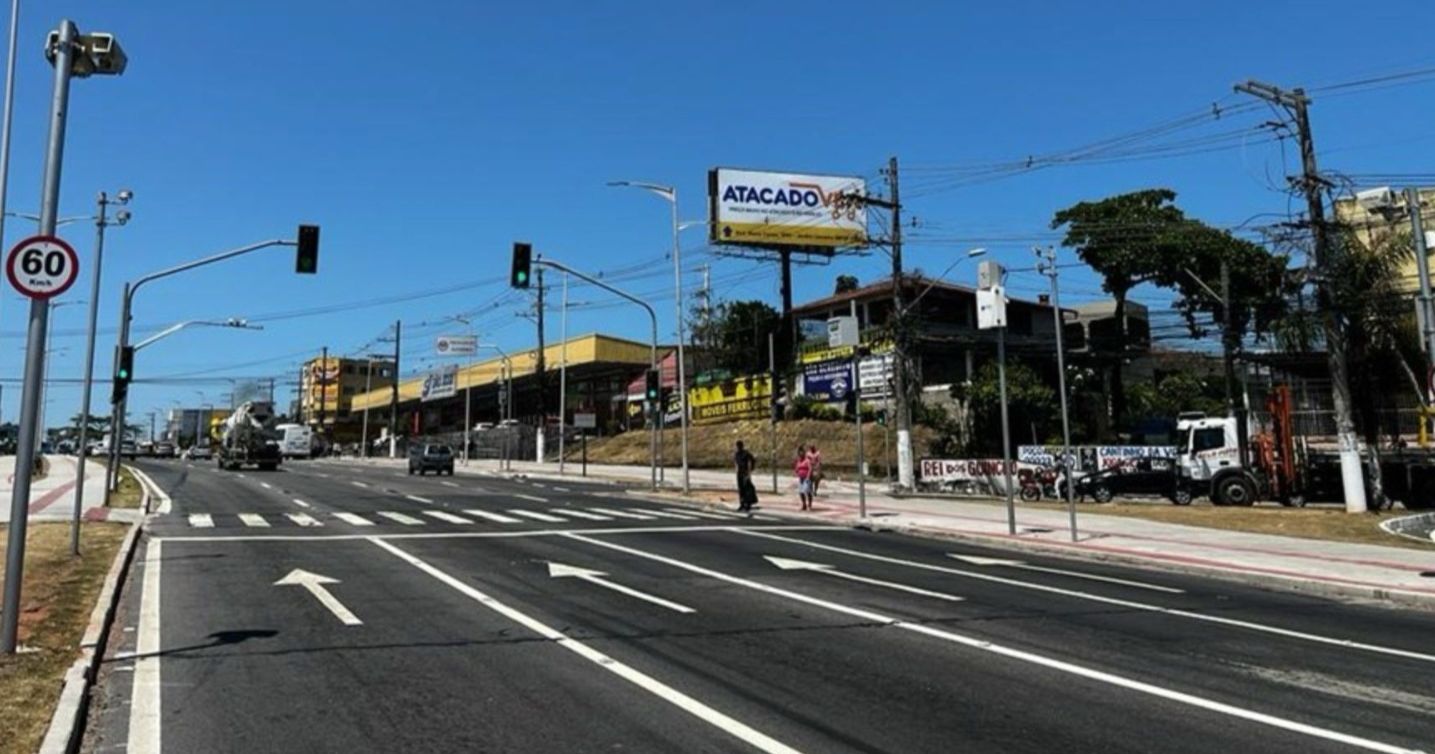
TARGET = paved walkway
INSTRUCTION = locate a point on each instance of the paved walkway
(1326, 567)
(53, 498)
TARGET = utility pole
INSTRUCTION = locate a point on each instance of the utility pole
(899, 338)
(394, 394)
(540, 372)
(563, 380)
(1048, 267)
(1422, 267)
(1297, 103)
(323, 388)
(772, 381)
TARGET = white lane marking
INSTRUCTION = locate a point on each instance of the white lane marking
(353, 518)
(497, 518)
(446, 516)
(666, 514)
(201, 520)
(561, 489)
(321, 475)
(165, 503)
(624, 514)
(731, 726)
(144, 734)
(358, 484)
(401, 518)
(984, 645)
(303, 519)
(534, 498)
(300, 503)
(1023, 565)
(266, 485)
(581, 514)
(670, 529)
(1099, 598)
(788, 564)
(418, 499)
(540, 485)
(449, 484)
(315, 584)
(711, 514)
(535, 515)
(239, 474)
(561, 571)
(253, 519)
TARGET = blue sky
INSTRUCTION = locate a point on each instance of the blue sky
(426, 137)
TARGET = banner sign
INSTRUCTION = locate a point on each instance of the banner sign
(742, 398)
(456, 345)
(762, 208)
(971, 476)
(1093, 457)
(875, 375)
(440, 383)
(827, 381)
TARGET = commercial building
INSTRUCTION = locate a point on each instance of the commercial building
(327, 388)
(1374, 227)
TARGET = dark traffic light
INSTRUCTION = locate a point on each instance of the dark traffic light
(654, 390)
(522, 264)
(306, 261)
(124, 372)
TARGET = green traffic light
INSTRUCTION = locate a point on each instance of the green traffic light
(522, 276)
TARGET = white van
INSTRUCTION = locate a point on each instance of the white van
(295, 440)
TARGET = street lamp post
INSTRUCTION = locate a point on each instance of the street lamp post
(101, 221)
(671, 195)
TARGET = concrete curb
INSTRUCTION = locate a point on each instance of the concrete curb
(1392, 597)
(67, 725)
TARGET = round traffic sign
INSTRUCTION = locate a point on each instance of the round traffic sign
(42, 267)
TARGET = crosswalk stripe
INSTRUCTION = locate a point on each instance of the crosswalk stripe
(418, 499)
(253, 519)
(535, 515)
(201, 520)
(624, 514)
(353, 518)
(712, 514)
(667, 514)
(581, 514)
(497, 518)
(534, 498)
(446, 516)
(303, 519)
(300, 503)
(401, 518)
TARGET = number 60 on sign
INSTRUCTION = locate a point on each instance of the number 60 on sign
(42, 267)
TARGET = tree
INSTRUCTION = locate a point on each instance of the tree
(846, 283)
(1031, 406)
(734, 337)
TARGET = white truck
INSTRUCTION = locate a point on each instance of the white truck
(295, 440)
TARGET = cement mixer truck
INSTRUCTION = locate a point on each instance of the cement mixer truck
(249, 439)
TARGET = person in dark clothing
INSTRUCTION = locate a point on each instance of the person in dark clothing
(744, 463)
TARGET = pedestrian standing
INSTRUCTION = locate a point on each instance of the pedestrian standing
(802, 468)
(814, 459)
(744, 462)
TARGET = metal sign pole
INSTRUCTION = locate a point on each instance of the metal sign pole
(34, 348)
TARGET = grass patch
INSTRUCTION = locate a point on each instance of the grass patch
(129, 493)
(58, 594)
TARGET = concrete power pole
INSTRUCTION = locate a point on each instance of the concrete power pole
(394, 394)
(539, 371)
(1296, 103)
(899, 338)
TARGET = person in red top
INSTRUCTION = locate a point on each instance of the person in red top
(803, 469)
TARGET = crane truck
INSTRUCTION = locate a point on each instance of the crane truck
(249, 439)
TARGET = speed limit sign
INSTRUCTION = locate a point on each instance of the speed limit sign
(42, 267)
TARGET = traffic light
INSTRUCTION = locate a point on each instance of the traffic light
(522, 264)
(306, 261)
(654, 390)
(124, 372)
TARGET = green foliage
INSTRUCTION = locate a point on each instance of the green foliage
(1031, 403)
(734, 338)
(806, 407)
(846, 283)
(1174, 393)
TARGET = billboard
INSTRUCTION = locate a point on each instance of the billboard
(762, 208)
(827, 381)
(741, 398)
(456, 345)
(440, 383)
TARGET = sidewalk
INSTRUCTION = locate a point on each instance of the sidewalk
(1339, 569)
(53, 498)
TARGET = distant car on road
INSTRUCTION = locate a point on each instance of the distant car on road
(428, 457)
(164, 450)
(198, 453)
(128, 450)
(1147, 476)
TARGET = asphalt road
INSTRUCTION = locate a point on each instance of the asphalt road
(489, 614)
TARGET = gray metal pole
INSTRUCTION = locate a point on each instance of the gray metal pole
(9, 110)
(772, 420)
(368, 387)
(34, 348)
(563, 382)
(117, 408)
(1422, 266)
(1006, 430)
(83, 450)
(857, 410)
(1061, 385)
(682, 374)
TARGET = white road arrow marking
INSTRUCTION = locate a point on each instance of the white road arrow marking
(560, 571)
(980, 561)
(788, 564)
(315, 584)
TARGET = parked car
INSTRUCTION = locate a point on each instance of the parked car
(425, 457)
(1143, 477)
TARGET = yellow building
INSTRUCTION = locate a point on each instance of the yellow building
(1373, 227)
(328, 387)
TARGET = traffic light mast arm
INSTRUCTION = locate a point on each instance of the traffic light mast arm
(653, 315)
(220, 257)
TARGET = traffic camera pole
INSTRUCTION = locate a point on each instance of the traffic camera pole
(1048, 268)
(35, 346)
(83, 451)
